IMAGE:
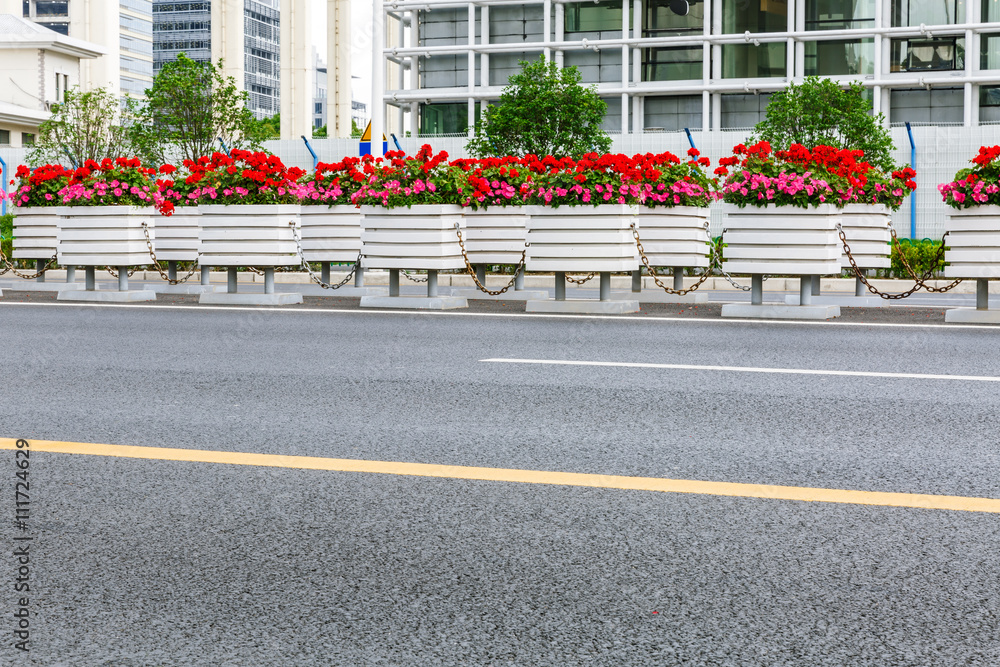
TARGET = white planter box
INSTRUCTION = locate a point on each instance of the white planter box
(177, 235)
(675, 236)
(36, 231)
(105, 235)
(578, 239)
(866, 227)
(782, 240)
(495, 236)
(248, 235)
(420, 237)
(973, 243)
(331, 234)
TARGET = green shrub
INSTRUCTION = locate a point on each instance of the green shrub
(922, 256)
(7, 234)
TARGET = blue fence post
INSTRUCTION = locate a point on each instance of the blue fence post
(223, 144)
(311, 151)
(690, 139)
(913, 198)
(396, 141)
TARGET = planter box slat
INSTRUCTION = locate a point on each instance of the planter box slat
(866, 227)
(36, 231)
(973, 243)
(675, 236)
(105, 235)
(421, 237)
(177, 235)
(581, 239)
(331, 234)
(254, 235)
(495, 236)
(782, 240)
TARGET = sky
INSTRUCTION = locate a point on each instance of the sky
(361, 54)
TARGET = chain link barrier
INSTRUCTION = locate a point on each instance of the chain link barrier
(312, 274)
(656, 276)
(472, 271)
(156, 263)
(114, 273)
(580, 281)
(918, 281)
(406, 274)
(9, 266)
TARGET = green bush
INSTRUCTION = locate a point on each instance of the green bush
(7, 234)
(922, 256)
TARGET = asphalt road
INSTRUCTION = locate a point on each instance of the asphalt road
(179, 563)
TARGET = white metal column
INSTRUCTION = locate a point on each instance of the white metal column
(625, 73)
(378, 77)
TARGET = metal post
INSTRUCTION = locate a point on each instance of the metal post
(172, 269)
(39, 265)
(359, 276)
(605, 285)
(71, 274)
(481, 273)
(205, 275)
(913, 199)
(315, 160)
(678, 278)
(432, 283)
(560, 286)
(982, 294)
(393, 282)
(232, 283)
(757, 289)
(325, 272)
(122, 278)
(859, 287)
(519, 280)
(637, 281)
(269, 280)
(90, 278)
(815, 286)
(805, 290)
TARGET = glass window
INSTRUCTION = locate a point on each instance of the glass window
(5, 137)
(61, 28)
(27, 139)
(594, 17)
(754, 15)
(991, 11)
(840, 14)
(921, 55)
(671, 17)
(672, 63)
(839, 57)
(938, 12)
(989, 52)
(444, 118)
(52, 8)
(746, 61)
(319, 107)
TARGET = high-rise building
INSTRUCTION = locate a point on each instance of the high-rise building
(699, 64)
(127, 67)
(186, 26)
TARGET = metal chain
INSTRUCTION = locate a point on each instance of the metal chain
(10, 267)
(717, 260)
(114, 273)
(409, 277)
(656, 277)
(937, 260)
(472, 271)
(305, 265)
(580, 281)
(255, 270)
(156, 264)
(918, 282)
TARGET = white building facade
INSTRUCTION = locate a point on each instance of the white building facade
(665, 65)
(40, 66)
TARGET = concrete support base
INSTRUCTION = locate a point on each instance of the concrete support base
(659, 296)
(509, 295)
(775, 311)
(415, 302)
(250, 299)
(184, 288)
(845, 300)
(349, 291)
(32, 286)
(107, 296)
(584, 306)
(972, 316)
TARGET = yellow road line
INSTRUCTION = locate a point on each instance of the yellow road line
(806, 494)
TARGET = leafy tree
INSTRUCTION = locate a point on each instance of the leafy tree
(268, 128)
(818, 111)
(543, 110)
(356, 130)
(319, 132)
(84, 126)
(190, 106)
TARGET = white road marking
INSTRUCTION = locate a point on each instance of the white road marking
(551, 316)
(748, 369)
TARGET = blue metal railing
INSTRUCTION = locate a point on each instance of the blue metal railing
(311, 151)
(913, 198)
